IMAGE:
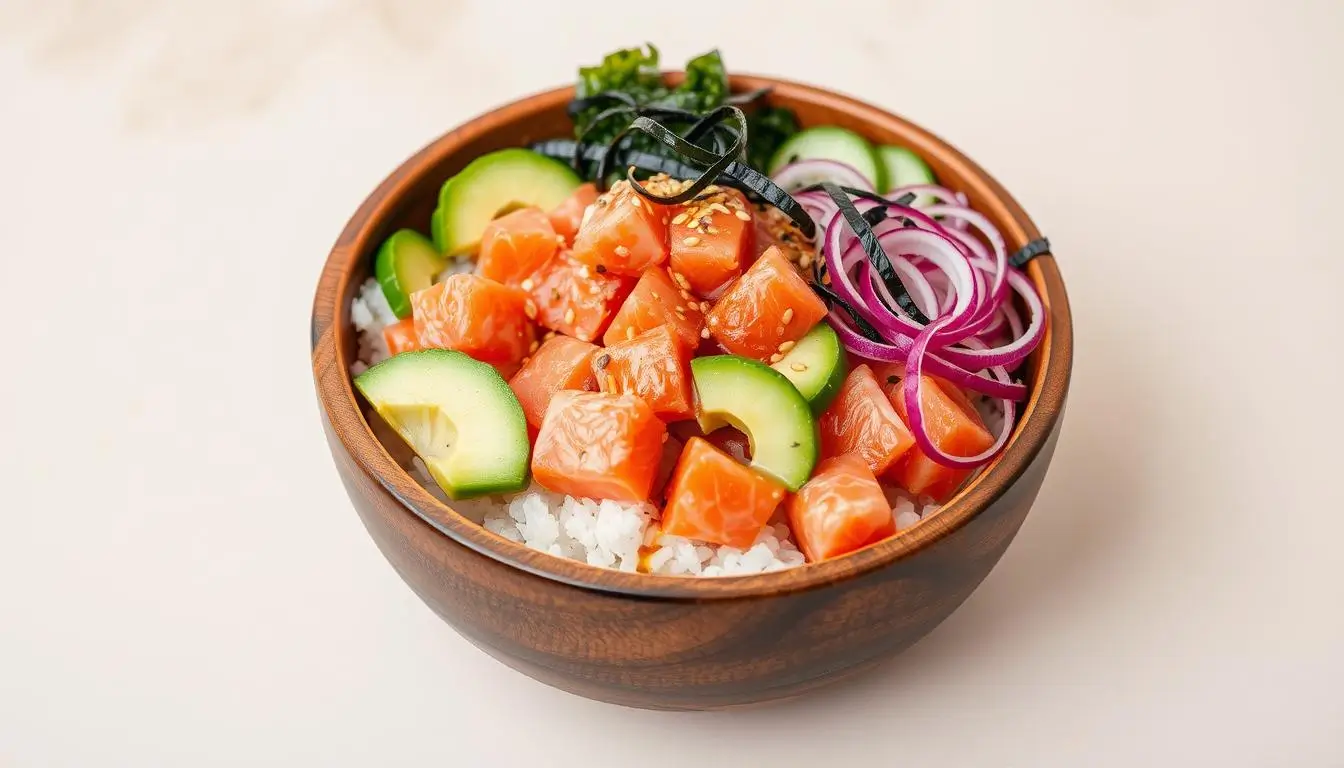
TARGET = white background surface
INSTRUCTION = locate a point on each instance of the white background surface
(183, 582)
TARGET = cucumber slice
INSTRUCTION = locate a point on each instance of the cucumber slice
(816, 366)
(831, 142)
(457, 414)
(406, 263)
(903, 167)
(494, 184)
(760, 402)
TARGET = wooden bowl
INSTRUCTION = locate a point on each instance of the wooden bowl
(670, 642)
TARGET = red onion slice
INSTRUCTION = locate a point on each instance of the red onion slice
(805, 173)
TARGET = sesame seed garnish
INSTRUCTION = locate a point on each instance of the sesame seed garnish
(583, 271)
(655, 295)
(719, 207)
(585, 336)
(788, 315)
(743, 215)
(805, 260)
(549, 335)
(786, 346)
(704, 306)
(681, 280)
(636, 202)
(630, 332)
(530, 309)
(775, 358)
(713, 320)
(712, 230)
(680, 218)
(800, 367)
(686, 295)
(533, 347)
(704, 333)
(694, 224)
(527, 284)
(621, 250)
(525, 360)
(569, 316)
(681, 312)
(691, 241)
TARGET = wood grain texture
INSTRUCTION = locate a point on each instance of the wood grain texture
(670, 642)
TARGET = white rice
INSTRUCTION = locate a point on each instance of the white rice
(606, 534)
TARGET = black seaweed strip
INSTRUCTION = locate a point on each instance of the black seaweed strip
(873, 249)
(862, 326)
(1037, 247)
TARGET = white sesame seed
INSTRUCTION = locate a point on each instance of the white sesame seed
(800, 367)
(630, 332)
(569, 316)
(527, 284)
(680, 218)
(704, 333)
(775, 358)
(786, 346)
(788, 315)
(743, 215)
(621, 250)
(691, 241)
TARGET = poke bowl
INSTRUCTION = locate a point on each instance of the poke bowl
(673, 421)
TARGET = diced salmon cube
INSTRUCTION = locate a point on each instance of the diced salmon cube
(953, 424)
(400, 336)
(841, 509)
(598, 446)
(625, 234)
(573, 299)
(863, 421)
(475, 315)
(559, 363)
(709, 240)
(768, 306)
(654, 366)
(657, 300)
(714, 498)
(515, 245)
(567, 216)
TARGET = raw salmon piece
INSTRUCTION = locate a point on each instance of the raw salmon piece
(953, 425)
(710, 240)
(598, 446)
(515, 245)
(657, 300)
(863, 421)
(768, 306)
(714, 498)
(573, 299)
(559, 363)
(625, 234)
(841, 509)
(475, 315)
(567, 216)
(400, 336)
(653, 366)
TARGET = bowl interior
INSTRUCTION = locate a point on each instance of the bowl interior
(407, 198)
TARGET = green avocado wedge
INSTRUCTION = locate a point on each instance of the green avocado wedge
(494, 184)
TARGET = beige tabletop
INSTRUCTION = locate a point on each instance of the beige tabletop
(184, 583)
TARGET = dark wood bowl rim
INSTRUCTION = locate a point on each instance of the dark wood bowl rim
(330, 324)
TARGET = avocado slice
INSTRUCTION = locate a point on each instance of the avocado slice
(759, 401)
(494, 184)
(816, 365)
(406, 263)
(457, 414)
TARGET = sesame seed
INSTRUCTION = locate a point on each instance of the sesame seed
(800, 367)
(533, 347)
(583, 271)
(805, 260)
(713, 320)
(691, 241)
(704, 306)
(585, 336)
(786, 346)
(681, 280)
(630, 332)
(686, 295)
(525, 360)
(719, 207)
(621, 250)
(680, 218)
(743, 215)
(530, 309)
(549, 335)
(694, 224)
(527, 284)
(788, 315)
(681, 312)
(704, 333)
(569, 316)
(655, 295)
(712, 230)
(775, 358)
(635, 201)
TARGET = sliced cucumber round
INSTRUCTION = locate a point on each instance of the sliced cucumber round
(457, 414)
(406, 263)
(831, 142)
(759, 401)
(816, 365)
(494, 184)
(903, 168)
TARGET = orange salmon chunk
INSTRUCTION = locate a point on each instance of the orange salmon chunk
(597, 445)
(709, 240)
(624, 234)
(863, 421)
(400, 337)
(653, 366)
(559, 363)
(952, 424)
(475, 315)
(714, 498)
(841, 509)
(515, 245)
(765, 311)
(657, 300)
(567, 216)
(572, 299)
